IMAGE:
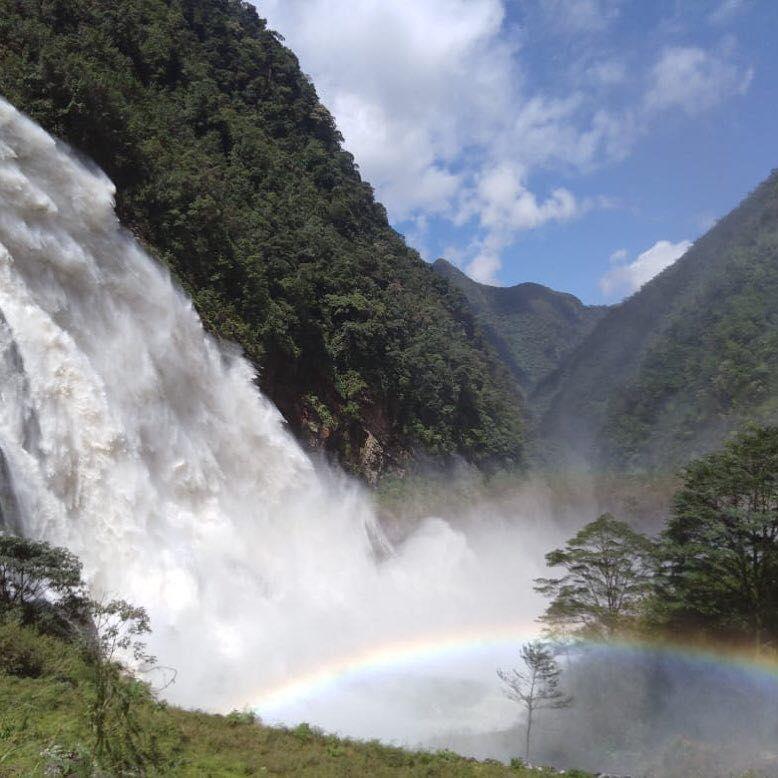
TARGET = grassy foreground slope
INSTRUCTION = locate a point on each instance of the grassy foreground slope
(665, 375)
(232, 172)
(46, 695)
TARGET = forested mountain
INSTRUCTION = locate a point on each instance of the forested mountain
(666, 374)
(532, 328)
(232, 173)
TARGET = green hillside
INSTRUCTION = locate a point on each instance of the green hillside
(70, 707)
(666, 374)
(46, 708)
(532, 328)
(231, 172)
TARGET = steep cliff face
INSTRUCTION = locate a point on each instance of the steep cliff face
(232, 173)
(532, 328)
(666, 374)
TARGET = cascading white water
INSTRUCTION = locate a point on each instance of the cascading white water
(136, 440)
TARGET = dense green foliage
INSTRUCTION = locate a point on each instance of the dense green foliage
(232, 172)
(666, 374)
(712, 573)
(608, 574)
(531, 327)
(40, 584)
(721, 544)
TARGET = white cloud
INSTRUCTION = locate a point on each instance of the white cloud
(623, 280)
(437, 102)
(726, 11)
(504, 205)
(609, 72)
(410, 84)
(431, 98)
(484, 267)
(581, 16)
(694, 80)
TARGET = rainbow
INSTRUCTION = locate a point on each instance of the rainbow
(745, 659)
(401, 653)
(390, 656)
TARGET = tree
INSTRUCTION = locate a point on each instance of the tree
(536, 687)
(40, 584)
(609, 572)
(721, 543)
(119, 629)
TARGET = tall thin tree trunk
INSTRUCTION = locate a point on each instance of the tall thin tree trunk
(529, 730)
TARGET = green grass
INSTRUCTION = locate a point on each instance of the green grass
(45, 730)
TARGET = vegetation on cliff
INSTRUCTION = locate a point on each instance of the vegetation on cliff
(232, 173)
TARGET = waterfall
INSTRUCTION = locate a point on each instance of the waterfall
(132, 437)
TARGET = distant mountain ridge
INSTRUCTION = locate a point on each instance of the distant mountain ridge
(669, 372)
(661, 377)
(532, 328)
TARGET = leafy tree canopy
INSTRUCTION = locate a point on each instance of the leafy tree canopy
(39, 583)
(608, 572)
(721, 543)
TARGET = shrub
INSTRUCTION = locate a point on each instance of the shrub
(25, 653)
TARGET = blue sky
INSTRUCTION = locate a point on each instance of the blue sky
(581, 144)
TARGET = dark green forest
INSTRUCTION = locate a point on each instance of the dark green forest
(645, 385)
(232, 173)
